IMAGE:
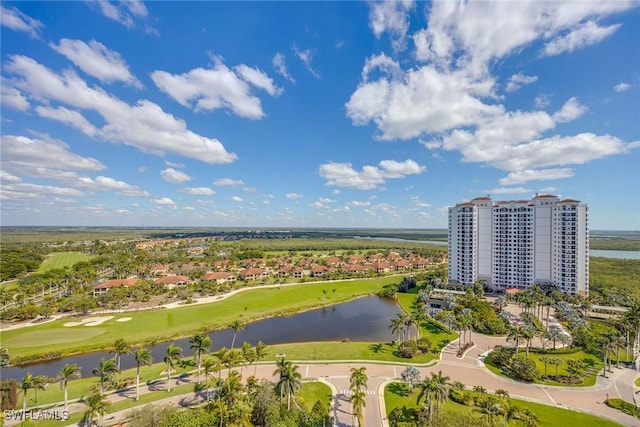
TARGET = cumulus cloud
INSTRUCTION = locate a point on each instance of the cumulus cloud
(516, 81)
(228, 182)
(293, 196)
(24, 154)
(391, 17)
(105, 183)
(14, 19)
(13, 98)
(125, 12)
(571, 110)
(144, 125)
(96, 60)
(280, 65)
(523, 176)
(237, 199)
(343, 174)
(164, 201)
(199, 191)
(622, 87)
(218, 87)
(64, 115)
(27, 191)
(581, 36)
(174, 176)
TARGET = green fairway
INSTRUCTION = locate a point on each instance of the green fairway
(164, 324)
(62, 260)
(397, 395)
(70, 335)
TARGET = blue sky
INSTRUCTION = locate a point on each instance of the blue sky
(305, 114)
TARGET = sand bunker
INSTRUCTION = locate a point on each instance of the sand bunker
(123, 319)
(89, 321)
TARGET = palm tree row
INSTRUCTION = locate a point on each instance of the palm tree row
(358, 385)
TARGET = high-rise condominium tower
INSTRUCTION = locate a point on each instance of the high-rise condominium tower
(519, 243)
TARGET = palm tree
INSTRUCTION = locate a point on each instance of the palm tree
(397, 326)
(553, 335)
(237, 326)
(515, 334)
(545, 360)
(490, 408)
(25, 386)
(105, 370)
(289, 381)
(449, 319)
(435, 391)
(120, 348)
(358, 378)
(529, 418)
(96, 407)
(143, 357)
(502, 393)
(174, 354)
(358, 403)
(39, 381)
(200, 344)
(261, 353)
(69, 372)
(210, 364)
(556, 361)
(527, 334)
(248, 354)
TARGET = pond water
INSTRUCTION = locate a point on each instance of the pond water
(615, 254)
(363, 319)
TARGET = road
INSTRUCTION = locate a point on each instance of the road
(468, 370)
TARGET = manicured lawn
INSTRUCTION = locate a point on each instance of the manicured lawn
(439, 337)
(591, 366)
(345, 351)
(638, 381)
(163, 324)
(312, 392)
(62, 260)
(396, 396)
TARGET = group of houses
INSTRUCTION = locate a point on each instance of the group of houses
(259, 269)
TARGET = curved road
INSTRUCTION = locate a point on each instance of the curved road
(467, 370)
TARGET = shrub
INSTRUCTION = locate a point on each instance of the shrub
(424, 344)
(408, 349)
(501, 356)
(524, 368)
(624, 406)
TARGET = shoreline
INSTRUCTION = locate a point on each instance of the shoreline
(186, 334)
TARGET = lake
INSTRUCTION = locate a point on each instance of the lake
(615, 254)
(363, 319)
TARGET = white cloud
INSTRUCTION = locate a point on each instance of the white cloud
(419, 203)
(581, 36)
(26, 191)
(105, 183)
(12, 97)
(17, 21)
(523, 176)
(622, 87)
(175, 176)
(124, 12)
(20, 153)
(143, 125)
(237, 199)
(306, 56)
(511, 190)
(96, 60)
(571, 110)
(259, 79)
(293, 196)
(199, 191)
(516, 81)
(358, 204)
(343, 174)
(420, 101)
(228, 182)
(542, 100)
(164, 201)
(174, 164)
(391, 17)
(70, 117)
(215, 88)
(280, 65)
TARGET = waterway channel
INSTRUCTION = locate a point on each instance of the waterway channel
(363, 319)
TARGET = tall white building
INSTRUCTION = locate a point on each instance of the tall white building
(518, 243)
